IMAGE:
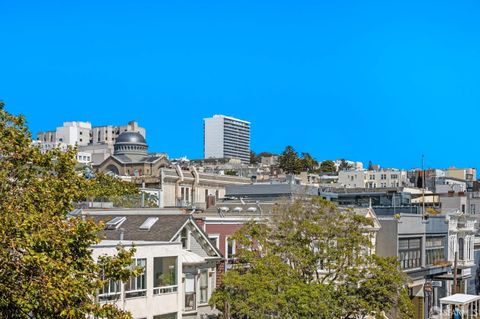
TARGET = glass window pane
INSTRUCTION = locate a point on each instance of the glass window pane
(165, 271)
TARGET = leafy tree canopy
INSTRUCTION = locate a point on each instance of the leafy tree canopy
(344, 165)
(291, 163)
(311, 261)
(309, 164)
(328, 166)
(46, 269)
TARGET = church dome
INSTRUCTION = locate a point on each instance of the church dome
(130, 143)
(131, 137)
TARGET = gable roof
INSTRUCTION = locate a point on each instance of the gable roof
(166, 228)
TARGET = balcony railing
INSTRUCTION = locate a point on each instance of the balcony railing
(136, 293)
(165, 290)
(109, 296)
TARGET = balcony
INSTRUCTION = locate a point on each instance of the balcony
(461, 226)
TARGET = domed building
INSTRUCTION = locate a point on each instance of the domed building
(130, 157)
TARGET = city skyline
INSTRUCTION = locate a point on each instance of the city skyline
(377, 81)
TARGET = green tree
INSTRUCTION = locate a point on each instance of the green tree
(253, 158)
(328, 166)
(231, 173)
(311, 261)
(344, 165)
(264, 154)
(370, 166)
(289, 161)
(46, 266)
(309, 164)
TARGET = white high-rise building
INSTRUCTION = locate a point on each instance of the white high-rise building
(226, 137)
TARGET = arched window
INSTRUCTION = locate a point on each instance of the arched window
(461, 249)
(113, 169)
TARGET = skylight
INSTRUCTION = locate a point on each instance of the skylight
(147, 224)
(115, 223)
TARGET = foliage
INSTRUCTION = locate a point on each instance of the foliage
(46, 266)
(231, 173)
(311, 261)
(328, 166)
(309, 164)
(370, 166)
(253, 158)
(265, 154)
(257, 158)
(344, 165)
(289, 161)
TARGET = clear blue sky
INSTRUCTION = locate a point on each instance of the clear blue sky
(356, 79)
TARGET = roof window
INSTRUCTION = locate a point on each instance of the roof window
(147, 224)
(115, 223)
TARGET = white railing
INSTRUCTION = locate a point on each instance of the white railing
(109, 296)
(136, 293)
(165, 290)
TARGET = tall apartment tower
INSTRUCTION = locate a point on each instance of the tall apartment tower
(226, 137)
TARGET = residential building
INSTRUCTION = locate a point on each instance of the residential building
(71, 133)
(461, 243)
(226, 137)
(154, 294)
(84, 158)
(373, 179)
(356, 166)
(199, 257)
(466, 174)
(445, 185)
(47, 146)
(269, 160)
(270, 191)
(426, 247)
(365, 197)
(221, 222)
(420, 247)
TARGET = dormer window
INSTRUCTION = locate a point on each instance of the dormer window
(184, 239)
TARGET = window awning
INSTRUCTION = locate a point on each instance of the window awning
(187, 257)
(459, 299)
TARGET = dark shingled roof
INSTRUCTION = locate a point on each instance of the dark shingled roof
(163, 230)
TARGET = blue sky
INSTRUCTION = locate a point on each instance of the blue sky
(365, 80)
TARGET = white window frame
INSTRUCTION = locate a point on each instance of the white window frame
(234, 248)
(142, 292)
(217, 237)
(206, 272)
(187, 244)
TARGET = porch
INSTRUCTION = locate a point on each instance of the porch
(468, 305)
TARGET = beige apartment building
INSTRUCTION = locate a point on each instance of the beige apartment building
(373, 179)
